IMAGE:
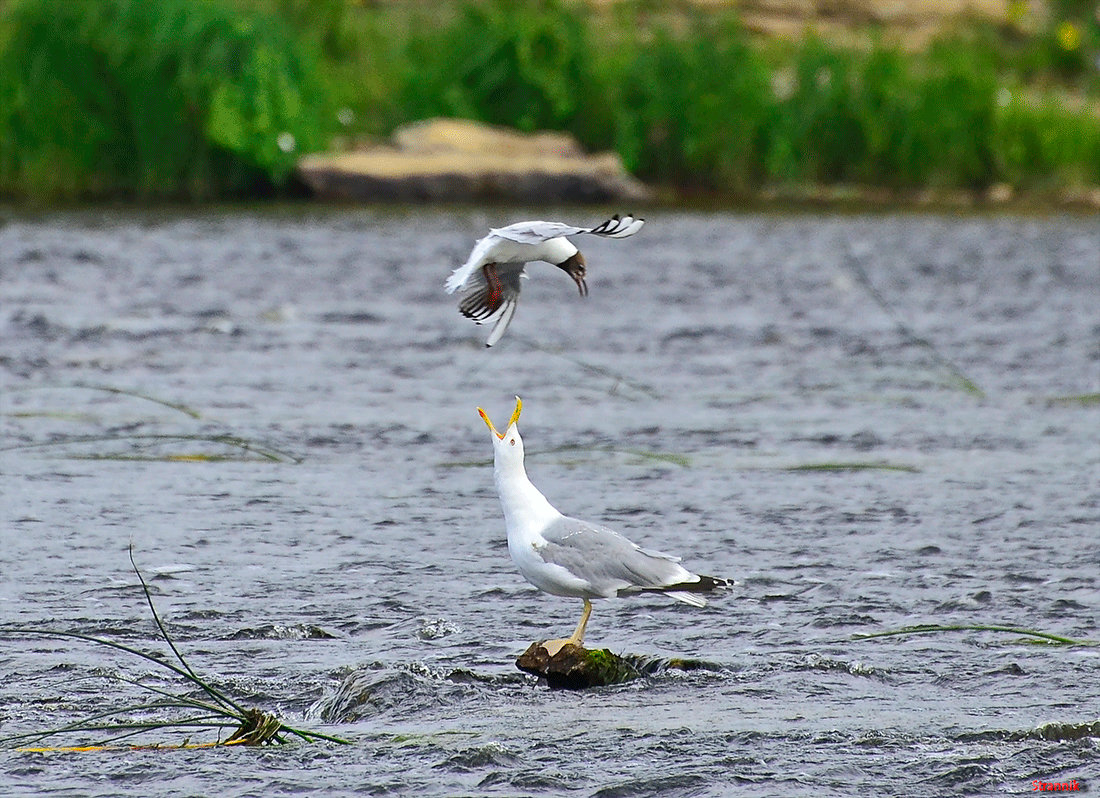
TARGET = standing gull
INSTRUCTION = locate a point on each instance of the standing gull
(491, 276)
(568, 557)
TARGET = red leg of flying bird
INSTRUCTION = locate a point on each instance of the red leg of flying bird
(496, 290)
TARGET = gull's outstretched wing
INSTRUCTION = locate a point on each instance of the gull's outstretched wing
(493, 291)
(537, 232)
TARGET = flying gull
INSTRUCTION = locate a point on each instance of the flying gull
(491, 276)
(568, 557)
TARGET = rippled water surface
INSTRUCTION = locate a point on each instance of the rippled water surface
(870, 422)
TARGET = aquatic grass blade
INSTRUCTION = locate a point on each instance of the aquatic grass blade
(138, 729)
(600, 371)
(139, 395)
(88, 722)
(266, 452)
(919, 629)
(183, 701)
(213, 693)
(957, 374)
(853, 466)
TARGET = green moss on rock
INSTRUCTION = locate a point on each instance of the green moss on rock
(574, 667)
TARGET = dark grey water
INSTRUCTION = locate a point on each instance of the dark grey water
(718, 358)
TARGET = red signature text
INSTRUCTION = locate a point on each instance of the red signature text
(1055, 785)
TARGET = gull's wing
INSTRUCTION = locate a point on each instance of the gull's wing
(492, 294)
(472, 265)
(611, 564)
(537, 232)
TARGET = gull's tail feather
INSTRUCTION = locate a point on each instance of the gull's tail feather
(687, 598)
(502, 323)
(686, 591)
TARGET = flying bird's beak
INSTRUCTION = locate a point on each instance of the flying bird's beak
(582, 286)
(488, 423)
(575, 268)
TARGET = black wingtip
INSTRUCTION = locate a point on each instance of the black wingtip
(706, 584)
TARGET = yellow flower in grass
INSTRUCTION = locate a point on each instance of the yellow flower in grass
(1069, 36)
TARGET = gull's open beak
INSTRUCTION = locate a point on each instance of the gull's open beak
(511, 421)
(515, 413)
(488, 423)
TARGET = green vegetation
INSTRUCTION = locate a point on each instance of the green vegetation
(173, 98)
(607, 668)
(877, 118)
(201, 98)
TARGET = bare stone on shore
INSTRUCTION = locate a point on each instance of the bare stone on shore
(441, 160)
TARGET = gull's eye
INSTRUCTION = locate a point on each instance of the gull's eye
(513, 441)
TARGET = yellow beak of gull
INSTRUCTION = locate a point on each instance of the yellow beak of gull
(511, 421)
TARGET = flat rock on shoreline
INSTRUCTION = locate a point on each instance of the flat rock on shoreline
(455, 160)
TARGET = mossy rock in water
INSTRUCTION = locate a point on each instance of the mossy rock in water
(1064, 731)
(575, 667)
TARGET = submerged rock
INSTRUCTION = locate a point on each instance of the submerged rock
(454, 160)
(575, 667)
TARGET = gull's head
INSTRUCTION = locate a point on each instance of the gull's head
(507, 445)
(575, 267)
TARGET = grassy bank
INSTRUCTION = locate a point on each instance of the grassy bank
(209, 98)
(169, 99)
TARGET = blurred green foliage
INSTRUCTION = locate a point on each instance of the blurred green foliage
(172, 98)
(882, 118)
(1040, 143)
(532, 70)
(693, 109)
(194, 97)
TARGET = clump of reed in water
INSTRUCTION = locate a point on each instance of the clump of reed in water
(217, 712)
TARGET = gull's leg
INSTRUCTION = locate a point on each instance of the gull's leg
(554, 646)
(578, 634)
